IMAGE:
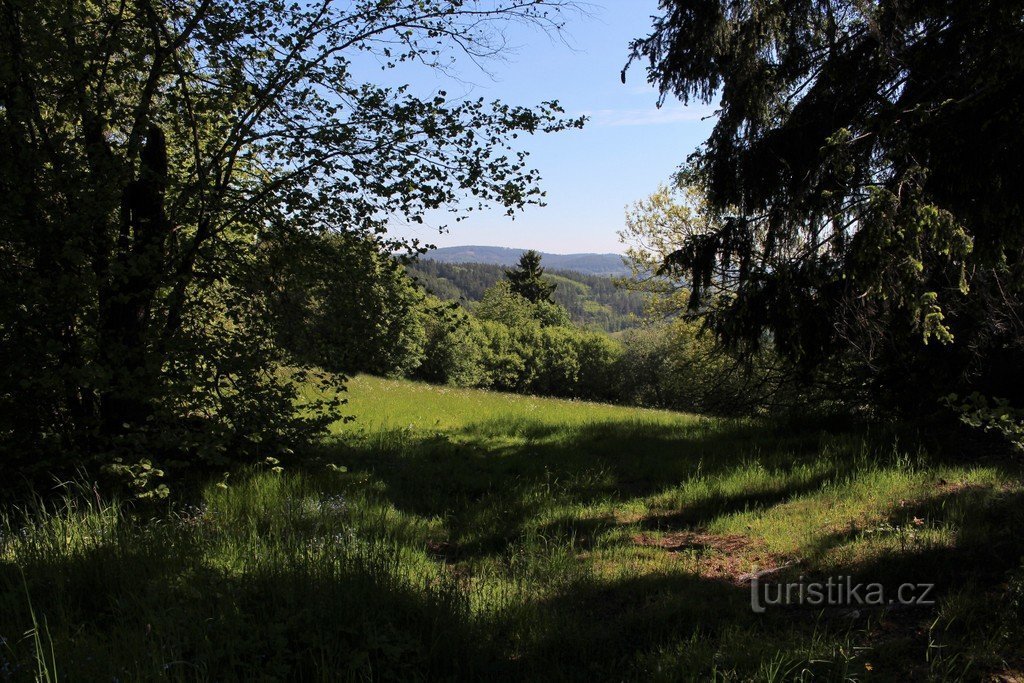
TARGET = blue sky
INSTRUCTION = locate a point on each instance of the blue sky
(627, 148)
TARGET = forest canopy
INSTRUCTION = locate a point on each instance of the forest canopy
(159, 158)
(860, 177)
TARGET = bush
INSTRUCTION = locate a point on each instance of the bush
(508, 360)
(453, 347)
(558, 362)
(677, 364)
(599, 376)
(501, 304)
(996, 416)
(341, 305)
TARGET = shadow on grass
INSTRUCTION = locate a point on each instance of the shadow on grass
(190, 602)
(119, 614)
(988, 525)
(614, 460)
(605, 626)
(576, 532)
(161, 611)
(151, 602)
(719, 505)
(489, 480)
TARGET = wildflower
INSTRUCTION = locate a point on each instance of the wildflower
(335, 504)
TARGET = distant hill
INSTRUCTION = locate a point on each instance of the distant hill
(592, 300)
(590, 264)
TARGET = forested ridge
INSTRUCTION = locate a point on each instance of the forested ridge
(591, 300)
(587, 263)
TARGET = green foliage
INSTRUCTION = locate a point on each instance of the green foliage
(678, 364)
(501, 303)
(508, 359)
(658, 229)
(518, 346)
(178, 165)
(592, 300)
(342, 305)
(858, 178)
(453, 347)
(599, 375)
(527, 279)
(676, 360)
(559, 361)
(514, 345)
(139, 478)
(996, 416)
(550, 314)
(647, 361)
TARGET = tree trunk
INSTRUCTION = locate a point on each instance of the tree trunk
(127, 302)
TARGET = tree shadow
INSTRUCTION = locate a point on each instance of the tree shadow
(607, 461)
(155, 608)
(989, 540)
(719, 505)
(595, 630)
(598, 629)
(578, 533)
(490, 479)
(138, 604)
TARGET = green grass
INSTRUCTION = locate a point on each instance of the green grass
(476, 534)
(383, 404)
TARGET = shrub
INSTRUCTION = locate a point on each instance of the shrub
(677, 364)
(453, 347)
(341, 305)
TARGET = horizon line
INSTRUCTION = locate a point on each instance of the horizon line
(552, 253)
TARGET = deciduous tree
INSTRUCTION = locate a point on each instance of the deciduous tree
(150, 148)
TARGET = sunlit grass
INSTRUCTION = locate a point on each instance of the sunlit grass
(381, 405)
(459, 533)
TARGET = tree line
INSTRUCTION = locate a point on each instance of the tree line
(517, 338)
(592, 300)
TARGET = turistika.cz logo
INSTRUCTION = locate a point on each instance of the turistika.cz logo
(836, 591)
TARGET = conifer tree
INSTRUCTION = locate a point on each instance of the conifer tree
(860, 171)
(527, 279)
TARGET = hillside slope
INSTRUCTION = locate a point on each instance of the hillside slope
(592, 300)
(591, 264)
(544, 540)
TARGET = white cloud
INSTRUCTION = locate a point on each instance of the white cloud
(645, 89)
(647, 116)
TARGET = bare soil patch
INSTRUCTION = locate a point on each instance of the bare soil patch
(723, 556)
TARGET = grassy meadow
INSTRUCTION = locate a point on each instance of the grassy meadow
(451, 533)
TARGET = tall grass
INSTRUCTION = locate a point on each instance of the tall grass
(463, 534)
